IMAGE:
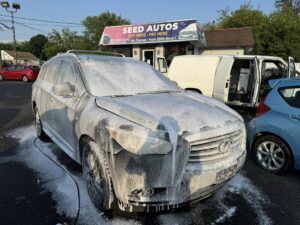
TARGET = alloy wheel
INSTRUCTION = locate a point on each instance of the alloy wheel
(270, 155)
(24, 78)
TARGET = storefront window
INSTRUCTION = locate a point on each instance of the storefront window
(123, 50)
(172, 50)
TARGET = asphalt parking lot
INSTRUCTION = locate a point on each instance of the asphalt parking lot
(41, 185)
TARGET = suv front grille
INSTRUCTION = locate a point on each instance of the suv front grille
(214, 148)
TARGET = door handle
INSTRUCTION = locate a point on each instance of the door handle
(296, 117)
(226, 85)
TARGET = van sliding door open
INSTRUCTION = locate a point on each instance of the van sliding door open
(222, 79)
(244, 82)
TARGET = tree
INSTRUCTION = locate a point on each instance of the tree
(6, 46)
(284, 4)
(61, 42)
(36, 44)
(246, 16)
(284, 37)
(275, 34)
(94, 26)
(23, 46)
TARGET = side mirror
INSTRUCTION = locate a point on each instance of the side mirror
(64, 89)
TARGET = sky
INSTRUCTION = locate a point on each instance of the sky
(137, 11)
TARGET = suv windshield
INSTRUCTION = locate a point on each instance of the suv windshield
(113, 76)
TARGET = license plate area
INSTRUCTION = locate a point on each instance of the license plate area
(225, 174)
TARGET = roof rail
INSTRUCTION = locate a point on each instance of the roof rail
(94, 52)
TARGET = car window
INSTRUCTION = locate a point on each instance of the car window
(291, 95)
(66, 73)
(273, 69)
(42, 73)
(52, 71)
(10, 68)
(19, 67)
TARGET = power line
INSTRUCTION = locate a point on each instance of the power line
(41, 13)
(50, 25)
(45, 21)
(32, 28)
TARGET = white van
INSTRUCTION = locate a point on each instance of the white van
(235, 80)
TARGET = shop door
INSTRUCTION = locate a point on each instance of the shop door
(148, 56)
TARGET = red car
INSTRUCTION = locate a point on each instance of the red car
(19, 72)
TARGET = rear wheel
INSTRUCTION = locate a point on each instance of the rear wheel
(25, 78)
(272, 154)
(96, 174)
(1, 77)
(38, 125)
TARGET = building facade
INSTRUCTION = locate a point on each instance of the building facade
(232, 41)
(149, 42)
(24, 58)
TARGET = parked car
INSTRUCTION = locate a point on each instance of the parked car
(19, 72)
(273, 135)
(142, 141)
(240, 80)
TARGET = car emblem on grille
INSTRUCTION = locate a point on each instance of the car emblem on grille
(225, 146)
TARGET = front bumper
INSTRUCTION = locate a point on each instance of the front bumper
(193, 181)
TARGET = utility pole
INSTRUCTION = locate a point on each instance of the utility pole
(14, 34)
(16, 7)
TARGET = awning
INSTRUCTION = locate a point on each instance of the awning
(162, 32)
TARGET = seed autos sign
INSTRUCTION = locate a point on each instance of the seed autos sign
(186, 30)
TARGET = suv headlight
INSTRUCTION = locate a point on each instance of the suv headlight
(138, 142)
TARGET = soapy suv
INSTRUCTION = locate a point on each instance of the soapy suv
(143, 142)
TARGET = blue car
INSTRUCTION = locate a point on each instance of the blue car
(274, 135)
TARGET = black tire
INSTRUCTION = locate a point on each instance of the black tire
(276, 159)
(97, 177)
(38, 126)
(1, 77)
(25, 78)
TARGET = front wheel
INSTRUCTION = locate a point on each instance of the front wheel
(38, 125)
(272, 154)
(96, 174)
(25, 78)
(1, 77)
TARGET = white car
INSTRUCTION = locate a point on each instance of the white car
(142, 141)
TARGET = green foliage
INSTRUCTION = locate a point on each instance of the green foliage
(36, 45)
(94, 26)
(209, 26)
(275, 34)
(62, 42)
(66, 39)
(6, 46)
(246, 16)
(288, 4)
(285, 34)
(24, 46)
